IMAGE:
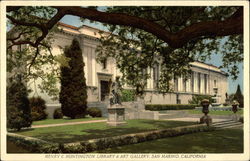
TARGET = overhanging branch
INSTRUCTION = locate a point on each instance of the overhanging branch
(232, 25)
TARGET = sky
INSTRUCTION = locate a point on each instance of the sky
(215, 58)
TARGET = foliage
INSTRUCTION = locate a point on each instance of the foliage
(36, 63)
(136, 51)
(196, 99)
(58, 114)
(239, 97)
(94, 112)
(73, 93)
(18, 106)
(38, 108)
(159, 107)
(128, 95)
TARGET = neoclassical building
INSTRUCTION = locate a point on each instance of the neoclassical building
(204, 80)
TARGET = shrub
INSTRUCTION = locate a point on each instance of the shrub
(38, 108)
(241, 119)
(94, 112)
(159, 107)
(73, 93)
(58, 114)
(18, 106)
(128, 95)
(196, 99)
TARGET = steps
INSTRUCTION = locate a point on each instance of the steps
(227, 124)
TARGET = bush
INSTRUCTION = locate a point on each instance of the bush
(18, 106)
(38, 108)
(128, 95)
(241, 119)
(58, 114)
(160, 107)
(94, 112)
(196, 99)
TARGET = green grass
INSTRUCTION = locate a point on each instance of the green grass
(81, 132)
(221, 141)
(215, 112)
(58, 121)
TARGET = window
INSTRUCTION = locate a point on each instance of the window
(199, 82)
(205, 83)
(104, 63)
(215, 83)
(156, 75)
(192, 82)
(184, 82)
(176, 84)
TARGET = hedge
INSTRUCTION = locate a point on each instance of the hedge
(36, 145)
(33, 144)
(109, 142)
(159, 107)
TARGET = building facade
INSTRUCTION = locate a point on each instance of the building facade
(205, 78)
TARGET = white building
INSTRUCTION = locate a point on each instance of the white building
(203, 81)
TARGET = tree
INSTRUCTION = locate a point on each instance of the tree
(73, 94)
(239, 97)
(18, 108)
(178, 35)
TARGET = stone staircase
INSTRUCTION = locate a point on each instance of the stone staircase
(227, 124)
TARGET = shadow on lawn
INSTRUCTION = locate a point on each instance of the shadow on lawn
(59, 137)
(221, 141)
(82, 134)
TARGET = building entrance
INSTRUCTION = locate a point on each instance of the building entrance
(104, 89)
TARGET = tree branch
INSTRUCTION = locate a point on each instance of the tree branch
(232, 25)
(43, 27)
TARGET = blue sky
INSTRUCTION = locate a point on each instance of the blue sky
(215, 58)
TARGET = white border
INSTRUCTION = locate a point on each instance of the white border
(209, 156)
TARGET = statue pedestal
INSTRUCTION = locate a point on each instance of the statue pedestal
(206, 119)
(116, 115)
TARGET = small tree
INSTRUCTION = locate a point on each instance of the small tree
(18, 108)
(73, 94)
(239, 97)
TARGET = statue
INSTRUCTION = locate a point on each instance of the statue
(116, 112)
(115, 92)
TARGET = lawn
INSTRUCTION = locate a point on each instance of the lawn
(215, 112)
(58, 121)
(221, 141)
(80, 132)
